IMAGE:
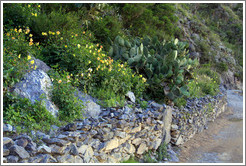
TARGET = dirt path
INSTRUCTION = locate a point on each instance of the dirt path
(222, 142)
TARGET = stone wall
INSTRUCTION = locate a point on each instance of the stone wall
(115, 135)
(192, 119)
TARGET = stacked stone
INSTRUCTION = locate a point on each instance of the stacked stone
(113, 137)
(194, 117)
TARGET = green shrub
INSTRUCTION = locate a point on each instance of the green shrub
(131, 160)
(89, 64)
(162, 152)
(70, 107)
(180, 102)
(26, 116)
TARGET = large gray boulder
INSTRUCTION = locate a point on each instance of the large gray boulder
(92, 109)
(34, 85)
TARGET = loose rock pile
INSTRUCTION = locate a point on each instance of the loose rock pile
(195, 116)
(112, 137)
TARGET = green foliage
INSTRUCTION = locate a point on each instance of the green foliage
(206, 82)
(19, 14)
(143, 104)
(26, 116)
(131, 160)
(63, 95)
(166, 65)
(222, 67)
(179, 102)
(148, 158)
(162, 152)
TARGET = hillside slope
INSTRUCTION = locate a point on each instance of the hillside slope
(215, 35)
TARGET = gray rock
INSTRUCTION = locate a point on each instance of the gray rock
(167, 119)
(5, 152)
(111, 144)
(12, 159)
(70, 127)
(22, 142)
(57, 149)
(173, 156)
(48, 159)
(156, 143)
(20, 151)
(92, 108)
(88, 154)
(42, 136)
(7, 140)
(74, 150)
(7, 128)
(142, 148)
(131, 96)
(35, 84)
(44, 149)
(157, 106)
(40, 65)
(57, 141)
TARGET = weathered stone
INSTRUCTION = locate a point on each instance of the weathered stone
(12, 159)
(44, 149)
(7, 140)
(5, 152)
(31, 147)
(40, 65)
(131, 96)
(137, 141)
(34, 85)
(22, 142)
(179, 140)
(42, 136)
(142, 148)
(167, 119)
(136, 129)
(7, 128)
(172, 156)
(70, 127)
(88, 154)
(92, 108)
(57, 141)
(129, 148)
(156, 143)
(111, 159)
(48, 159)
(120, 134)
(57, 149)
(74, 150)
(157, 106)
(20, 151)
(113, 143)
(82, 149)
(174, 127)
(78, 159)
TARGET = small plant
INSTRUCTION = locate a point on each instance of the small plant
(222, 67)
(148, 158)
(162, 152)
(179, 102)
(143, 104)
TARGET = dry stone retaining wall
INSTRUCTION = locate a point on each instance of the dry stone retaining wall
(115, 135)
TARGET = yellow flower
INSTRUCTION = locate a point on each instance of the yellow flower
(15, 30)
(84, 32)
(86, 46)
(82, 74)
(71, 74)
(98, 58)
(30, 43)
(89, 74)
(44, 33)
(32, 62)
(31, 40)
(35, 14)
(50, 32)
(109, 69)
(29, 5)
(132, 75)
(74, 55)
(27, 31)
(121, 65)
(99, 50)
(101, 46)
(37, 43)
(32, 14)
(61, 38)
(38, 5)
(59, 81)
(65, 46)
(140, 76)
(20, 30)
(35, 67)
(144, 79)
(78, 45)
(19, 56)
(8, 34)
(68, 77)
(90, 51)
(53, 33)
(30, 35)
(58, 32)
(76, 35)
(28, 57)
